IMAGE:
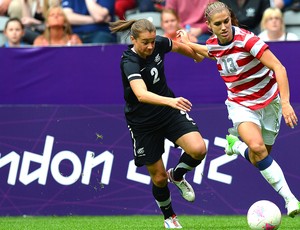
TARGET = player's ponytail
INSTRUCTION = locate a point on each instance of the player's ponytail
(121, 25)
(234, 20)
(135, 26)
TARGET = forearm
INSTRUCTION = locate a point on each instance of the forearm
(187, 51)
(283, 84)
(288, 112)
(144, 96)
(141, 92)
(179, 103)
(155, 99)
(190, 53)
(79, 19)
(97, 12)
(199, 49)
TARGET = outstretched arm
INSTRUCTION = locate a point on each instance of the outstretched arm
(270, 60)
(186, 50)
(198, 48)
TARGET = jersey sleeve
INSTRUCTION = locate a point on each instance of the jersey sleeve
(165, 44)
(131, 70)
(255, 46)
(212, 41)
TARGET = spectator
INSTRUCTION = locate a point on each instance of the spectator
(33, 18)
(248, 13)
(4, 16)
(58, 30)
(13, 31)
(89, 19)
(191, 14)
(13, 8)
(170, 23)
(121, 6)
(273, 28)
(31, 13)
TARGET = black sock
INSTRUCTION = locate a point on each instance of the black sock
(186, 163)
(163, 199)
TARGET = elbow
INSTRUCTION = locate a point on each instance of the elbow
(101, 16)
(279, 68)
(141, 99)
(98, 18)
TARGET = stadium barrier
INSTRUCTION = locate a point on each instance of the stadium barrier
(65, 148)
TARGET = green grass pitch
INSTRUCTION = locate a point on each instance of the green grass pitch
(133, 222)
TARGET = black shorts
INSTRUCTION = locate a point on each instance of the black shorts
(148, 143)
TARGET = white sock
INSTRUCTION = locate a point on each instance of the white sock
(239, 147)
(274, 175)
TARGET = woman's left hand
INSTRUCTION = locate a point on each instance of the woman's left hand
(183, 35)
(289, 115)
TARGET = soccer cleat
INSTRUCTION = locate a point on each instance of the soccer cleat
(231, 140)
(293, 207)
(186, 190)
(172, 222)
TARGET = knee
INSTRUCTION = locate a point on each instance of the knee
(160, 179)
(258, 150)
(199, 151)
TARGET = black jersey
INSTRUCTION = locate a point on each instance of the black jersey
(151, 70)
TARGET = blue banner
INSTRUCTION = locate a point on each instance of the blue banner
(77, 160)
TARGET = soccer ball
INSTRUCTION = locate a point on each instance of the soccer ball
(264, 214)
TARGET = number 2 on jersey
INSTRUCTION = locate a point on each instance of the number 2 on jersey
(154, 73)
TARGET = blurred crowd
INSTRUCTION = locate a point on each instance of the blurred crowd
(76, 22)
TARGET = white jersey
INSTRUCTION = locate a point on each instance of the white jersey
(249, 82)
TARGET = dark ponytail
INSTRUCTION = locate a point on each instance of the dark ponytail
(135, 26)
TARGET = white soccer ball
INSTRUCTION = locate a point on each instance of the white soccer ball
(264, 214)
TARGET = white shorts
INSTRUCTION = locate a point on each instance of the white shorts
(268, 118)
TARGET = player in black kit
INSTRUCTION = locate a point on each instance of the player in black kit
(153, 113)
